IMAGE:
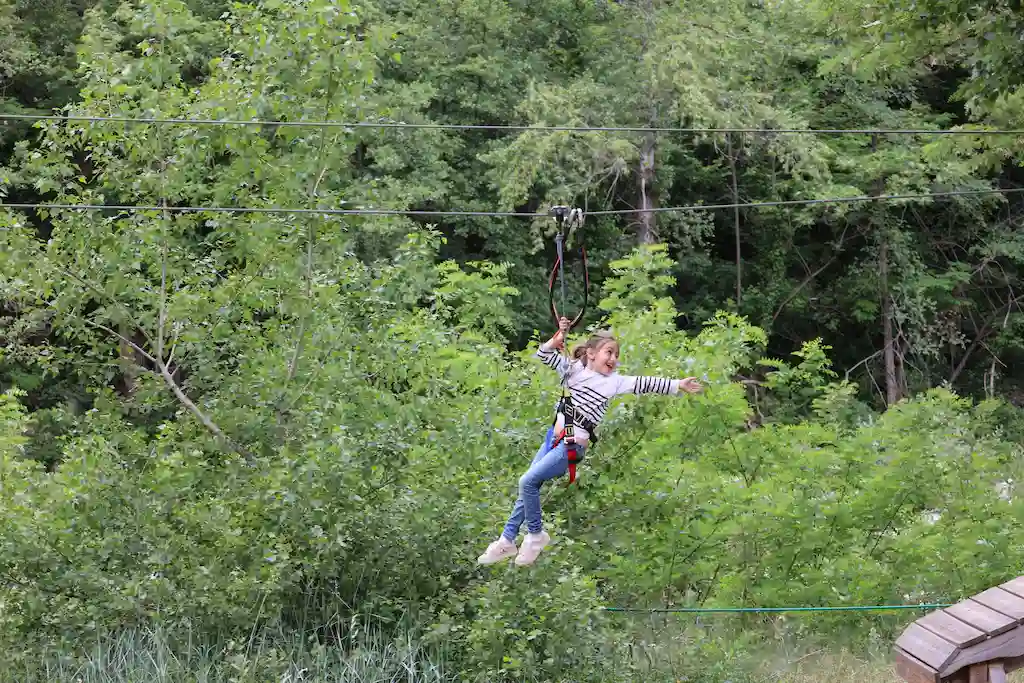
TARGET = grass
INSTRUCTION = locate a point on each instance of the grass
(844, 667)
(145, 658)
(138, 657)
(840, 667)
(150, 657)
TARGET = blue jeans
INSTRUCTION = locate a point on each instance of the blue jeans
(549, 463)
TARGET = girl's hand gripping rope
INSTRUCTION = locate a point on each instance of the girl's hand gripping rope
(558, 341)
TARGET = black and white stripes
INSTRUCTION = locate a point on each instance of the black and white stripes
(653, 385)
(591, 391)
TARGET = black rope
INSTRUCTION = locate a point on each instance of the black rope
(559, 241)
(522, 127)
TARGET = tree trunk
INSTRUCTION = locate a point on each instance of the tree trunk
(893, 385)
(892, 393)
(646, 229)
(736, 222)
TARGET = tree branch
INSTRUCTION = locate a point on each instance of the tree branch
(892, 518)
(807, 280)
(300, 335)
(103, 295)
(862, 362)
(156, 360)
(145, 354)
(312, 377)
(983, 334)
(736, 221)
(174, 347)
(210, 425)
(162, 317)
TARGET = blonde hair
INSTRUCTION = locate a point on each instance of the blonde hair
(596, 341)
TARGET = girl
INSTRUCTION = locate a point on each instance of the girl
(591, 381)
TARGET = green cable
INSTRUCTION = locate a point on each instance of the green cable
(773, 609)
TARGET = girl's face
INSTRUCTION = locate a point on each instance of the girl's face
(604, 359)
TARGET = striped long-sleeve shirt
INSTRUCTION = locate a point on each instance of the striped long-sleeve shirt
(591, 390)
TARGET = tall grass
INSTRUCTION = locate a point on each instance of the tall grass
(147, 657)
(152, 657)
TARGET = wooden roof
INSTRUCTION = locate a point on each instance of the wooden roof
(937, 647)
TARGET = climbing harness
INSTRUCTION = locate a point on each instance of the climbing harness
(568, 219)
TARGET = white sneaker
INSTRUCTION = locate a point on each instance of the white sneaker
(532, 546)
(497, 551)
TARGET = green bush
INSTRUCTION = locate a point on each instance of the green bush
(378, 499)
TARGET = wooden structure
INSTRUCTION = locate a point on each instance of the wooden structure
(978, 640)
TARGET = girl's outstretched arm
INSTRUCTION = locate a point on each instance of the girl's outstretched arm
(643, 384)
(548, 351)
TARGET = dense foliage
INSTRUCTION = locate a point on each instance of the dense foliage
(215, 423)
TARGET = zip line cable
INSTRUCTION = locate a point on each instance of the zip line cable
(703, 610)
(508, 127)
(497, 214)
(809, 202)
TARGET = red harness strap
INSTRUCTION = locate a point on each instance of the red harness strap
(572, 453)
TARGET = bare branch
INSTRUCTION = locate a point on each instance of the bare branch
(210, 425)
(810, 277)
(984, 332)
(103, 295)
(995, 358)
(145, 354)
(165, 373)
(862, 362)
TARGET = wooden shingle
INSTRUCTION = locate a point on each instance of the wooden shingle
(977, 640)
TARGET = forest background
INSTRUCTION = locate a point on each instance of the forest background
(269, 446)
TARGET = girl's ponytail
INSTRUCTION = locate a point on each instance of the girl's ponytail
(596, 341)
